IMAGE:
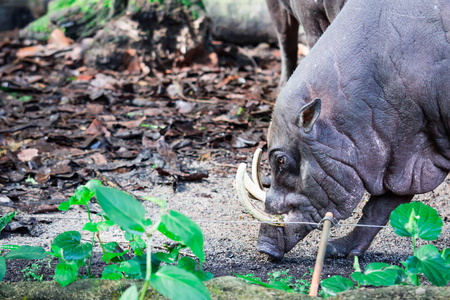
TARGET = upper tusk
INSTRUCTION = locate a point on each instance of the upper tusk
(253, 189)
(257, 213)
(256, 168)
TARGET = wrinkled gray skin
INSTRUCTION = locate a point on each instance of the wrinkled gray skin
(314, 15)
(367, 109)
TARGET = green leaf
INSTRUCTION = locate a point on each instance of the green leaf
(130, 293)
(414, 265)
(93, 184)
(6, 219)
(204, 276)
(416, 219)
(160, 202)
(179, 227)
(176, 283)
(131, 269)
(142, 261)
(64, 206)
(283, 286)
(104, 225)
(70, 243)
(10, 247)
(123, 209)
(336, 284)
(137, 244)
(111, 272)
(128, 236)
(27, 252)
(82, 196)
(187, 263)
(255, 280)
(97, 226)
(433, 266)
(173, 254)
(25, 98)
(379, 274)
(2, 267)
(445, 253)
(91, 227)
(112, 252)
(30, 180)
(356, 265)
(66, 273)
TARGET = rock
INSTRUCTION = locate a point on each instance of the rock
(163, 31)
(397, 292)
(242, 22)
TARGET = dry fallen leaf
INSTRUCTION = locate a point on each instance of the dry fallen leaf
(130, 124)
(166, 151)
(58, 38)
(94, 108)
(96, 128)
(29, 51)
(27, 154)
(99, 159)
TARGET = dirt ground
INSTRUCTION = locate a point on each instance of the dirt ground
(230, 233)
(63, 123)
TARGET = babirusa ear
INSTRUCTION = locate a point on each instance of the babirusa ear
(309, 114)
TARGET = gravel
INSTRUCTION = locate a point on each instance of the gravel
(230, 234)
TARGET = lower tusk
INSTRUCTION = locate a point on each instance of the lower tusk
(257, 213)
(256, 168)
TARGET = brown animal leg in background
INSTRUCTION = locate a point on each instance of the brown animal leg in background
(286, 27)
(375, 212)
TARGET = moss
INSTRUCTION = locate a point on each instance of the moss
(220, 288)
(40, 25)
(59, 10)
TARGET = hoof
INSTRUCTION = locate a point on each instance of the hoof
(337, 250)
(333, 251)
(353, 253)
(274, 255)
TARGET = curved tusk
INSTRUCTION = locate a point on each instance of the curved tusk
(248, 205)
(253, 189)
(256, 170)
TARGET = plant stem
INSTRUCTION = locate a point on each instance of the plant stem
(90, 256)
(149, 257)
(93, 240)
(103, 248)
(149, 268)
(417, 279)
(89, 213)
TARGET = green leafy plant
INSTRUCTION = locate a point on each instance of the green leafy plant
(280, 280)
(31, 180)
(415, 220)
(20, 252)
(166, 272)
(30, 273)
(6, 219)
(124, 210)
(16, 252)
